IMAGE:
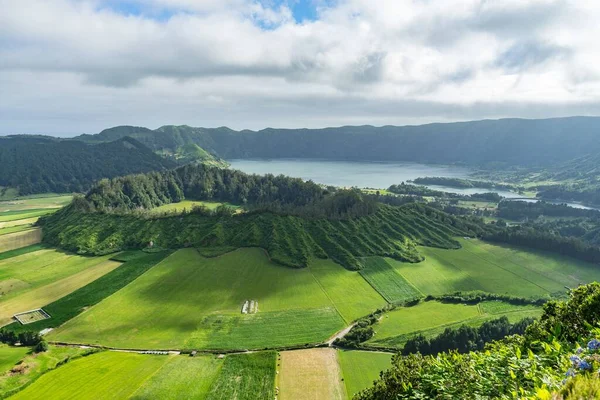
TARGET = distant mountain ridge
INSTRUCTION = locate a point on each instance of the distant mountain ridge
(508, 142)
(38, 164)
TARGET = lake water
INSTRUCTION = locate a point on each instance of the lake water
(378, 175)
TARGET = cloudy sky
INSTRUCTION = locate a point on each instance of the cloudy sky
(73, 66)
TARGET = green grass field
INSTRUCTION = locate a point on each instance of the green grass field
(495, 269)
(188, 205)
(349, 292)
(245, 377)
(265, 329)
(431, 318)
(35, 202)
(181, 377)
(9, 356)
(106, 375)
(13, 229)
(361, 368)
(20, 251)
(15, 215)
(69, 306)
(35, 279)
(173, 300)
(390, 284)
(33, 366)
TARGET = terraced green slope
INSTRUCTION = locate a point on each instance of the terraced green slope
(293, 241)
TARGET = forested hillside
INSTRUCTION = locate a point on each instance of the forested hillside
(43, 164)
(488, 142)
(292, 219)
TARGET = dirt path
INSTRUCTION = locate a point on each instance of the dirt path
(329, 343)
(340, 334)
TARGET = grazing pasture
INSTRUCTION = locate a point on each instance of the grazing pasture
(35, 279)
(20, 251)
(33, 366)
(12, 241)
(310, 374)
(245, 377)
(268, 329)
(188, 205)
(431, 318)
(181, 377)
(35, 203)
(67, 307)
(19, 222)
(495, 269)
(7, 216)
(348, 291)
(14, 229)
(173, 300)
(361, 368)
(389, 283)
(105, 375)
(10, 355)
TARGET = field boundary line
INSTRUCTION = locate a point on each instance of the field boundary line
(511, 258)
(507, 270)
(327, 295)
(150, 376)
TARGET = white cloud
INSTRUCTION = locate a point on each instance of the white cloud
(68, 66)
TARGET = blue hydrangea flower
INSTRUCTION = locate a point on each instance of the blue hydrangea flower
(584, 365)
(594, 344)
(575, 359)
(570, 372)
(579, 350)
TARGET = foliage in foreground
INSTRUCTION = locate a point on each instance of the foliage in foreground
(547, 360)
(290, 240)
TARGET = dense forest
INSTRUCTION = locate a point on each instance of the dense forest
(490, 142)
(34, 164)
(201, 182)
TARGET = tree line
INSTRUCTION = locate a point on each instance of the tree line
(466, 338)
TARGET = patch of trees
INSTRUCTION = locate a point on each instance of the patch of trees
(42, 164)
(518, 210)
(582, 192)
(466, 338)
(476, 297)
(461, 183)
(423, 191)
(201, 182)
(360, 332)
(532, 237)
(26, 338)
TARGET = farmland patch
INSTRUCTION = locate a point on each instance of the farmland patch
(310, 374)
(361, 368)
(391, 285)
(245, 377)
